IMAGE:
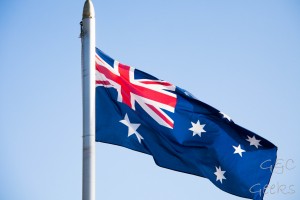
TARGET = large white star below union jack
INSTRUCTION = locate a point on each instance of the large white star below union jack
(197, 128)
(132, 128)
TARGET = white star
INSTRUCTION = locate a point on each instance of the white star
(253, 141)
(197, 128)
(225, 116)
(131, 128)
(187, 94)
(220, 174)
(238, 150)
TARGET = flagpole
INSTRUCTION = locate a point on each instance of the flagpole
(88, 100)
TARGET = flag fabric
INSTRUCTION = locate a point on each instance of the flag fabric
(140, 112)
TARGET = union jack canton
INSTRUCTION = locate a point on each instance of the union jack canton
(153, 96)
(140, 112)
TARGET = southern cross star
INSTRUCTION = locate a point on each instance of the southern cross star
(238, 150)
(220, 174)
(225, 116)
(253, 141)
(197, 128)
(132, 128)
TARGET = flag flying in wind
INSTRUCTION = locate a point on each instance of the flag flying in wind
(140, 112)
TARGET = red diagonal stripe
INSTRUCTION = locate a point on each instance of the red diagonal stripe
(157, 83)
(170, 123)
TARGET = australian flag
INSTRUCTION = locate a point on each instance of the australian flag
(140, 112)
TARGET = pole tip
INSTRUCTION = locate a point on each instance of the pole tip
(88, 10)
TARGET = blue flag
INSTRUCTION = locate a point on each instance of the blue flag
(140, 112)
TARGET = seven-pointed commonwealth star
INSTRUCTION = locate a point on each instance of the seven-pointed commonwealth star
(238, 150)
(253, 141)
(197, 128)
(131, 128)
(220, 174)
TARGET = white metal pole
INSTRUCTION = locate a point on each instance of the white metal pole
(88, 100)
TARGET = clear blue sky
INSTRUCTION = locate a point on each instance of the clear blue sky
(242, 57)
